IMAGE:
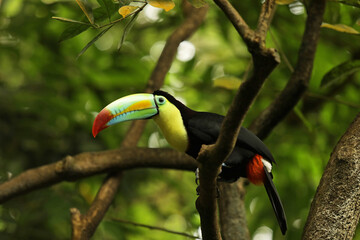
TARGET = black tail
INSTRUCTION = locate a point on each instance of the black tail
(275, 201)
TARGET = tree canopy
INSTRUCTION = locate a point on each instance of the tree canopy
(62, 61)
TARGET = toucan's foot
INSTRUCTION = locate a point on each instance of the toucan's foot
(197, 177)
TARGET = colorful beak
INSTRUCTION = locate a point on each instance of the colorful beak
(132, 107)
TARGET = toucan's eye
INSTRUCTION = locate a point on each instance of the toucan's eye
(161, 100)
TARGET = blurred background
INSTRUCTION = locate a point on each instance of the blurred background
(48, 99)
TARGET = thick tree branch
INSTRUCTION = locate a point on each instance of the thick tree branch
(84, 225)
(335, 210)
(232, 216)
(211, 157)
(279, 108)
(83, 165)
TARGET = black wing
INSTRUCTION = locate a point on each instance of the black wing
(205, 127)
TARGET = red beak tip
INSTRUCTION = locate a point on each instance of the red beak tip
(100, 121)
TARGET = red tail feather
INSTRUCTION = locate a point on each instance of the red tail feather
(255, 170)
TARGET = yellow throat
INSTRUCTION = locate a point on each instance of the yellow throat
(171, 125)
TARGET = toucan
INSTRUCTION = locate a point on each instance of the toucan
(187, 130)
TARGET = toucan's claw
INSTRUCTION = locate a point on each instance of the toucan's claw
(197, 176)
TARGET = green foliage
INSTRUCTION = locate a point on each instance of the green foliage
(340, 73)
(48, 100)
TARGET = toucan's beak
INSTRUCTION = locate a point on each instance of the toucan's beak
(136, 106)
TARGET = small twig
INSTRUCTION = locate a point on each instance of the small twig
(238, 22)
(283, 55)
(333, 99)
(265, 18)
(70, 20)
(120, 19)
(299, 80)
(153, 228)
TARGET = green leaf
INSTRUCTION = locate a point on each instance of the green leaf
(227, 82)
(126, 10)
(61, 19)
(100, 14)
(109, 7)
(332, 13)
(127, 29)
(340, 72)
(85, 7)
(93, 41)
(167, 5)
(340, 28)
(354, 3)
(73, 30)
(303, 119)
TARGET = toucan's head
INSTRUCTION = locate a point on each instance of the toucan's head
(137, 106)
(131, 107)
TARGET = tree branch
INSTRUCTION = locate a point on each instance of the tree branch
(232, 211)
(193, 19)
(238, 22)
(83, 165)
(84, 226)
(300, 78)
(277, 110)
(211, 157)
(335, 210)
(265, 18)
(154, 228)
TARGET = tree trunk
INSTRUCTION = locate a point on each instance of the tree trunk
(231, 206)
(335, 210)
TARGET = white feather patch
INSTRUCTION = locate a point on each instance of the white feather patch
(267, 164)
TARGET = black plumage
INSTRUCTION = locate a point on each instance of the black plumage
(204, 128)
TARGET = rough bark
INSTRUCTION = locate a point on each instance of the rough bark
(335, 210)
(84, 225)
(83, 165)
(211, 157)
(229, 218)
